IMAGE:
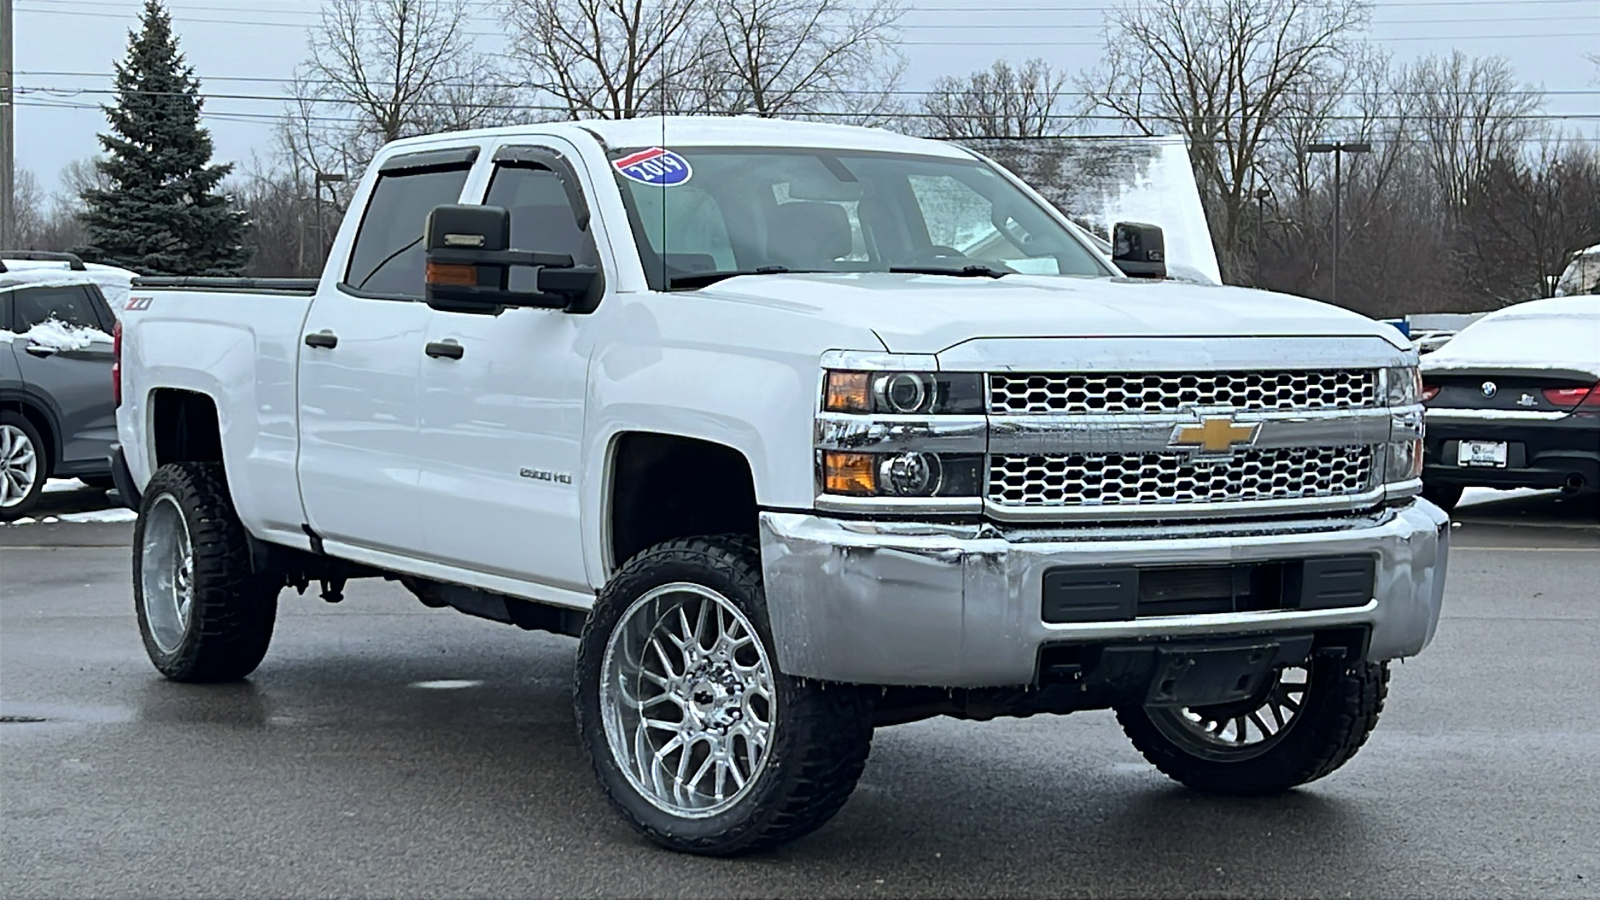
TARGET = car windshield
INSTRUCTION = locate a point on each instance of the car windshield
(702, 213)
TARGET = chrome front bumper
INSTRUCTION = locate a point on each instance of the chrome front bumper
(897, 603)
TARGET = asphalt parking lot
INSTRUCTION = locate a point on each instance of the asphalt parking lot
(385, 749)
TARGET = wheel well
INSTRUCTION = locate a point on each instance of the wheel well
(185, 427)
(666, 487)
(40, 420)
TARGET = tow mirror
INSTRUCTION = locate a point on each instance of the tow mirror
(1139, 250)
(469, 262)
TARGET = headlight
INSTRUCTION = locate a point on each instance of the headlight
(1405, 461)
(908, 474)
(1402, 386)
(903, 393)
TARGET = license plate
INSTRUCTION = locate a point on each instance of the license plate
(1482, 453)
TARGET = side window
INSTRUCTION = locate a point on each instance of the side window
(961, 219)
(542, 217)
(388, 257)
(5, 312)
(69, 304)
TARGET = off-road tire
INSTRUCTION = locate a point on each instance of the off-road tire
(1444, 496)
(41, 455)
(233, 610)
(1341, 708)
(822, 732)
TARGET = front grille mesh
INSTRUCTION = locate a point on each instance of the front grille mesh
(1116, 479)
(1114, 393)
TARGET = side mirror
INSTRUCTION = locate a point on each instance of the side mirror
(469, 261)
(1139, 250)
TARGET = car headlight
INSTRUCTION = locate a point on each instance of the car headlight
(903, 393)
(1405, 461)
(906, 474)
(1402, 386)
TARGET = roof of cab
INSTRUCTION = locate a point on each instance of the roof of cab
(712, 131)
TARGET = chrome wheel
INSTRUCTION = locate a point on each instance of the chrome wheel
(688, 701)
(19, 465)
(166, 585)
(1237, 731)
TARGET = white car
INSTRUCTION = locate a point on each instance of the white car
(800, 430)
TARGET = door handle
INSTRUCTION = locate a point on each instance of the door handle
(40, 350)
(445, 349)
(325, 339)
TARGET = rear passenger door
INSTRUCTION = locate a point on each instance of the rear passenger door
(360, 358)
(63, 355)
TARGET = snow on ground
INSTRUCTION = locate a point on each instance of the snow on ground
(58, 335)
(1475, 495)
(120, 514)
(64, 485)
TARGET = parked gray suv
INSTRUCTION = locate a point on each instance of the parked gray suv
(57, 410)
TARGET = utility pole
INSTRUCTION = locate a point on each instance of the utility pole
(1338, 149)
(8, 118)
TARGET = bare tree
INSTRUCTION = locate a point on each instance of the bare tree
(997, 102)
(614, 59)
(1221, 73)
(1470, 113)
(1525, 217)
(380, 70)
(800, 57)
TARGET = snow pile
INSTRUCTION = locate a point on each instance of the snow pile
(58, 335)
(1562, 333)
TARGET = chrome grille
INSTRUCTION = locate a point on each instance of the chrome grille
(1107, 479)
(1124, 393)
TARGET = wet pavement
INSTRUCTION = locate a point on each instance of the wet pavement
(387, 749)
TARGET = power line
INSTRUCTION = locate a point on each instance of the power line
(536, 107)
(262, 79)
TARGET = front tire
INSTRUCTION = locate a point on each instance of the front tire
(697, 738)
(203, 613)
(1310, 722)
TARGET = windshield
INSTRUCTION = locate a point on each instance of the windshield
(702, 212)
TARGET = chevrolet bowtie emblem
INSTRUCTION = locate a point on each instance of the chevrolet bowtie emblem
(1215, 435)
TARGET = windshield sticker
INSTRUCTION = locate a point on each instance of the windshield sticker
(656, 166)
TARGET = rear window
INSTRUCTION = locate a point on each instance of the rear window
(388, 257)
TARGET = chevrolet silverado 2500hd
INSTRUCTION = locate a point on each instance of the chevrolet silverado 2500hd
(800, 430)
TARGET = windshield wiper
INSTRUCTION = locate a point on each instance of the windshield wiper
(974, 270)
(704, 279)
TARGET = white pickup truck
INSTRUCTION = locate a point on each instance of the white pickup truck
(801, 430)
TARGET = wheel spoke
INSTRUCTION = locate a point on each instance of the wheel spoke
(724, 707)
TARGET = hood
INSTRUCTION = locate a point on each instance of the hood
(931, 313)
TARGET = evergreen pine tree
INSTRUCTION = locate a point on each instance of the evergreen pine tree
(162, 214)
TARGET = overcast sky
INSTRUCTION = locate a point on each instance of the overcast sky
(65, 48)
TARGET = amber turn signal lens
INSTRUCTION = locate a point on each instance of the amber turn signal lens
(847, 392)
(854, 474)
(452, 274)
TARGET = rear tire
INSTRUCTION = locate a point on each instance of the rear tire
(1444, 496)
(24, 466)
(203, 613)
(696, 737)
(1211, 748)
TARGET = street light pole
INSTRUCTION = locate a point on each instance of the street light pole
(330, 179)
(1338, 149)
(8, 118)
